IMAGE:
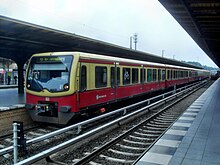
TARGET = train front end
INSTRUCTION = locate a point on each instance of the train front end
(50, 89)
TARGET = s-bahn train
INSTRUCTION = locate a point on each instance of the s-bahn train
(62, 85)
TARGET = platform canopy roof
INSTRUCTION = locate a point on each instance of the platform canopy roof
(201, 20)
(19, 40)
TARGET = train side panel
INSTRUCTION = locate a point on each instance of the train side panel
(96, 81)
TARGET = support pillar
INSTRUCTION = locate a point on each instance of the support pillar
(20, 78)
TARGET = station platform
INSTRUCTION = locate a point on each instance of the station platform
(10, 98)
(194, 139)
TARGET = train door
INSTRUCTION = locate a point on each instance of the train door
(163, 77)
(82, 83)
(115, 80)
(143, 77)
(159, 78)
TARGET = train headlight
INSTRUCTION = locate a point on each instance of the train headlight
(66, 87)
(28, 85)
(47, 108)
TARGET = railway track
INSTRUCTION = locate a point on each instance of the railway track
(6, 141)
(151, 131)
(126, 148)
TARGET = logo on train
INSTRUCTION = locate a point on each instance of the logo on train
(100, 96)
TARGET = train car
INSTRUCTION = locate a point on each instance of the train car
(62, 85)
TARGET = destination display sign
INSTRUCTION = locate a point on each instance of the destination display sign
(50, 59)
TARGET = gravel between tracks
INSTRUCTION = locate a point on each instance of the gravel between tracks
(71, 155)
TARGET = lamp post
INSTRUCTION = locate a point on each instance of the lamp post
(131, 42)
(163, 52)
(135, 41)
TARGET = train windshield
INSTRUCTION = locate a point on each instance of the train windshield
(50, 72)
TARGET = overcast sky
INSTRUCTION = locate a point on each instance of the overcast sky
(112, 21)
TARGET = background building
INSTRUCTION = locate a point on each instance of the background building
(8, 70)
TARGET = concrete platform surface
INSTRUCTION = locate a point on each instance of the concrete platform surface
(9, 98)
(194, 139)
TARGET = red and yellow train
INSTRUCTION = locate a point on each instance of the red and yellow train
(62, 85)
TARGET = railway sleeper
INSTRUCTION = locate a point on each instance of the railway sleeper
(162, 121)
(2, 146)
(8, 140)
(130, 147)
(135, 142)
(7, 156)
(147, 134)
(173, 113)
(154, 128)
(94, 163)
(111, 159)
(151, 131)
(167, 118)
(160, 124)
(44, 130)
(127, 149)
(35, 134)
(142, 138)
(163, 124)
(124, 153)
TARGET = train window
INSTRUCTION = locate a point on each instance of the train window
(143, 75)
(159, 74)
(168, 74)
(83, 78)
(154, 75)
(113, 76)
(134, 75)
(149, 75)
(175, 74)
(178, 74)
(182, 74)
(126, 76)
(100, 76)
(163, 75)
(172, 74)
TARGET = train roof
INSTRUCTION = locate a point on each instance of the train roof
(118, 59)
(114, 59)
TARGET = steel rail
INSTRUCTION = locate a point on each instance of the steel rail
(149, 147)
(106, 146)
(61, 146)
(79, 125)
